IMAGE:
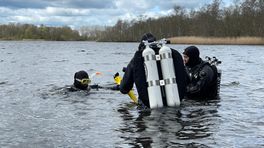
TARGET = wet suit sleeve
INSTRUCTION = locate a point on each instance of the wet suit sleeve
(96, 86)
(128, 79)
(206, 77)
(117, 87)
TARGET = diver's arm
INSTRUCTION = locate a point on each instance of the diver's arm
(95, 86)
(113, 87)
(128, 80)
(193, 89)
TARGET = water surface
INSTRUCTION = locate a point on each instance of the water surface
(36, 112)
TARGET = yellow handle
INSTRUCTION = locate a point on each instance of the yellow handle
(131, 93)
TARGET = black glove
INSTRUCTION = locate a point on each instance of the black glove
(116, 75)
(116, 87)
(124, 69)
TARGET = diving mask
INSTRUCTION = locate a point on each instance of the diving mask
(84, 81)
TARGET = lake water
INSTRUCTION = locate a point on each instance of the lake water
(35, 112)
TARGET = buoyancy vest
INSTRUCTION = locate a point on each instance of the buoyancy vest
(212, 90)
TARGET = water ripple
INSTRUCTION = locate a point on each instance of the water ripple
(36, 110)
(230, 84)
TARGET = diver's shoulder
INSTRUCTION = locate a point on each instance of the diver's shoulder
(175, 53)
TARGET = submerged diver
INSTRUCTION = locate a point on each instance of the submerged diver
(82, 81)
(135, 72)
(202, 76)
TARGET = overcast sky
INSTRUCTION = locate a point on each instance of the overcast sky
(76, 13)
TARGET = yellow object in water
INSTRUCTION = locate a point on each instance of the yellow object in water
(131, 93)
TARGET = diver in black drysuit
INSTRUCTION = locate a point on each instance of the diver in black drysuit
(135, 72)
(202, 77)
(81, 82)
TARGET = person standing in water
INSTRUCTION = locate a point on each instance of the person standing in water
(135, 71)
(202, 77)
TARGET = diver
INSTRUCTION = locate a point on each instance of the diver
(135, 72)
(82, 81)
(202, 82)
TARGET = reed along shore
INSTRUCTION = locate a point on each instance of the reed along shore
(217, 40)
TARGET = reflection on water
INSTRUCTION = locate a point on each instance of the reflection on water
(168, 126)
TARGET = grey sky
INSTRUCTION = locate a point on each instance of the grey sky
(76, 13)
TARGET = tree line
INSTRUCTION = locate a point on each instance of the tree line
(244, 18)
(27, 31)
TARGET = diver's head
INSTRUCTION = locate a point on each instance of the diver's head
(146, 37)
(191, 56)
(81, 80)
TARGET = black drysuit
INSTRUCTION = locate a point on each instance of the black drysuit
(135, 73)
(202, 83)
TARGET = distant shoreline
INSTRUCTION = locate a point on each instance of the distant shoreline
(217, 40)
(190, 40)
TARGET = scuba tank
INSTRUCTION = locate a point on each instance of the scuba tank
(168, 73)
(152, 77)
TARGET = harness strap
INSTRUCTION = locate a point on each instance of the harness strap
(158, 57)
(162, 82)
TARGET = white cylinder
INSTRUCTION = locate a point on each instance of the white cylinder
(152, 77)
(168, 73)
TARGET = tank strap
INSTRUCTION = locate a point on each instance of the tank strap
(162, 82)
(149, 57)
(154, 83)
(166, 55)
(170, 81)
(158, 57)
